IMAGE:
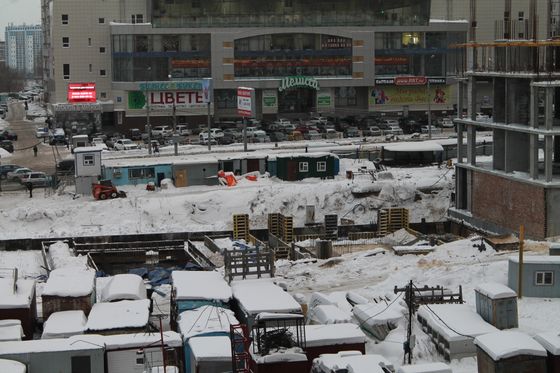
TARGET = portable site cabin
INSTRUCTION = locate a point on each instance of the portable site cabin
(351, 361)
(551, 342)
(252, 297)
(540, 276)
(64, 324)
(87, 168)
(210, 354)
(244, 164)
(332, 339)
(17, 302)
(136, 171)
(67, 355)
(206, 321)
(68, 289)
(292, 167)
(425, 368)
(12, 366)
(195, 172)
(511, 352)
(405, 153)
(80, 141)
(125, 316)
(451, 320)
(497, 304)
(125, 286)
(193, 289)
(136, 352)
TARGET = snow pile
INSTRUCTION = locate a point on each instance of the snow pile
(12, 366)
(323, 310)
(335, 334)
(352, 361)
(64, 324)
(379, 318)
(62, 256)
(119, 315)
(20, 298)
(4, 153)
(494, 290)
(70, 282)
(505, 344)
(550, 341)
(11, 330)
(123, 287)
(256, 296)
(425, 368)
(205, 320)
(200, 285)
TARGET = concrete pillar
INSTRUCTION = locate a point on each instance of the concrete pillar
(460, 146)
(460, 127)
(471, 145)
(534, 139)
(516, 154)
(548, 158)
(472, 98)
(499, 150)
(548, 140)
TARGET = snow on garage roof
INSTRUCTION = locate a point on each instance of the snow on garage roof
(550, 341)
(70, 282)
(460, 317)
(23, 296)
(425, 368)
(352, 361)
(205, 319)
(75, 343)
(200, 285)
(123, 286)
(256, 296)
(216, 348)
(119, 315)
(494, 290)
(64, 324)
(537, 259)
(11, 330)
(333, 334)
(419, 146)
(505, 344)
(378, 314)
(62, 256)
(118, 341)
(329, 314)
(12, 366)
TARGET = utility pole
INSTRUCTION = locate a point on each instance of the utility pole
(429, 111)
(520, 269)
(408, 345)
(209, 127)
(148, 126)
(175, 138)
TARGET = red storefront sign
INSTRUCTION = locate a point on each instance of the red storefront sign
(245, 101)
(391, 60)
(81, 92)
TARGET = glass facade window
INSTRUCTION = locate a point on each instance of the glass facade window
(292, 13)
(156, 57)
(345, 96)
(225, 98)
(279, 55)
(418, 53)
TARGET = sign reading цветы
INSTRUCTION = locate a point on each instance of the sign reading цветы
(246, 101)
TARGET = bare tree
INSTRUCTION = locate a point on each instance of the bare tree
(12, 81)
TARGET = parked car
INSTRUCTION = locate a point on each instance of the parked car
(65, 166)
(98, 142)
(42, 132)
(183, 130)
(215, 133)
(35, 178)
(226, 139)
(318, 120)
(17, 173)
(236, 134)
(393, 130)
(282, 122)
(332, 134)
(7, 145)
(312, 135)
(353, 132)
(260, 136)
(373, 131)
(278, 136)
(135, 134)
(8, 135)
(480, 117)
(125, 144)
(251, 131)
(4, 169)
(161, 131)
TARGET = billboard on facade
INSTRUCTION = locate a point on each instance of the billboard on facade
(246, 101)
(166, 99)
(409, 95)
(81, 92)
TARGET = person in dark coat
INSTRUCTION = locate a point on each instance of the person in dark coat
(35, 150)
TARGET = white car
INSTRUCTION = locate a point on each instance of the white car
(318, 121)
(447, 123)
(393, 130)
(42, 132)
(161, 131)
(260, 136)
(482, 117)
(18, 173)
(125, 144)
(215, 134)
(99, 143)
(183, 130)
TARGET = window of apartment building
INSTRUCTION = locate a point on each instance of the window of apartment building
(103, 95)
(89, 42)
(521, 16)
(101, 49)
(321, 166)
(303, 167)
(101, 20)
(64, 18)
(90, 68)
(103, 72)
(137, 18)
(65, 42)
(66, 71)
(544, 278)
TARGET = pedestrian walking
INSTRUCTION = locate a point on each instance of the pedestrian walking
(35, 150)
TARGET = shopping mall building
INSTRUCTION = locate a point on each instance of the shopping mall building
(300, 56)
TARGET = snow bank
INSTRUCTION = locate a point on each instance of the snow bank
(12, 366)
(494, 290)
(352, 361)
(211, 348)
(4, 153)
(21, 298)
(256, 296)
(62, 256)
(425, 368)
(64, 324)
(205, 319)
(70, 282)
(192, 285)
(505, 344)
(123, 287)
(119, 315)
(329, 314)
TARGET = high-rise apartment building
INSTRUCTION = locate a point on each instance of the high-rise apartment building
(2, 53)
(23, 49)
(347, 57)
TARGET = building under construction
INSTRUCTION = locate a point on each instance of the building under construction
(520, 183)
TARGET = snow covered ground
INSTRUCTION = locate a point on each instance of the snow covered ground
(204, 208)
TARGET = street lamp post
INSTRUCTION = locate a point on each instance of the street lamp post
(429, 111)
(148, 126)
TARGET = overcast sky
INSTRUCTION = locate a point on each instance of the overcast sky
(19, 12)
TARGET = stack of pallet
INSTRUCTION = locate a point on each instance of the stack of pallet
(391, 220)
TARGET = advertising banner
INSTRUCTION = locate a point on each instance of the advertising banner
(270, 99)
(409, 95)
(166, 99)
(245, 101)
(81, 92)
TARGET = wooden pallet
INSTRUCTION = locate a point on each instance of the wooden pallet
(274, 223)
(241, 227)
(391, 220)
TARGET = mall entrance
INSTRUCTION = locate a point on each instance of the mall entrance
(297, 100)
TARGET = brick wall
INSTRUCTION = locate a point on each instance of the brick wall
(509, 204)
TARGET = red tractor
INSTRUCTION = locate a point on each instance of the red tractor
(105, 190)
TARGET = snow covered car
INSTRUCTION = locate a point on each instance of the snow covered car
(125, 144)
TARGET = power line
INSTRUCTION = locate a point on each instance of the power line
(380, 312)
